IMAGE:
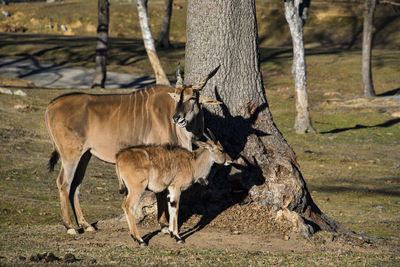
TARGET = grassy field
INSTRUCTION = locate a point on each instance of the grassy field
(352, 166)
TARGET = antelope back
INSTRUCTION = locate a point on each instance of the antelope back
(105, 124)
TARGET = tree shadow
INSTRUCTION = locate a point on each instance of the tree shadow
(64, 52)
(358, 126)
(358, 189)
(394, 92)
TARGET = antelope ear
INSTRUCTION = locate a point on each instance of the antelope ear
(200, 144)
(174, 96)
(208, 101)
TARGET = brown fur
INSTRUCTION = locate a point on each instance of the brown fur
(158, 168)
(82, 125)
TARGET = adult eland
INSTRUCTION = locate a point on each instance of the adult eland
(82, 125)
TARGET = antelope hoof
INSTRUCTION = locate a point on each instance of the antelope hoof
(72, 231)
(165, 230)
(90, 229)
(178, 239)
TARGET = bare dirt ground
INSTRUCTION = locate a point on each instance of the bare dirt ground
(215, 244)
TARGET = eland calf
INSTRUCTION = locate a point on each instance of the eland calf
(159, 168)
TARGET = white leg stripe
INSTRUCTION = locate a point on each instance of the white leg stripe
(172, 215)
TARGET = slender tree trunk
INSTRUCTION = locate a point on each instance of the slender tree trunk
(368, 31)
(163, 40)
(225, 33)
(100, 73)
(148, 40)
(296, 15)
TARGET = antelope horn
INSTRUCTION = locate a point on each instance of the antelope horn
(201, 84)
(212, 136)
(179, 80)
(206, 136)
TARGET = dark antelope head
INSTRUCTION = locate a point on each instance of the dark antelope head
(188, 112)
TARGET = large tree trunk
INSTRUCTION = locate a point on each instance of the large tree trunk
(368, 31)
(296, 15)
(163, 40)
(100, 73)
(225, 33)
(148, 40)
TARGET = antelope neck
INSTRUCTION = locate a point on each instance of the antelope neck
(202, 163)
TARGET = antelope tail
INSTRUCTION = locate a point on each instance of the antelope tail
(123, 190)
(53, 160)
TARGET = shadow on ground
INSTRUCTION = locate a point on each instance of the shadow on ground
(358, 126)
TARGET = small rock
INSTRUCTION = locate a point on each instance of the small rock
(93, 261)
(71, 231)
(332, 94)
(69, 258)
(396, 114)
(70, 249)
(20, 93)
(5, 13)
(5, 91)
(286, 237)
(34, 258)
(378, 207)
(50, 257)
(21, 107)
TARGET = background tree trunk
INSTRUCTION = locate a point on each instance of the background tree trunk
(368, 31)
(296, 15)
(100, 73)
(163, 40)
(148, 40)
(225, 33)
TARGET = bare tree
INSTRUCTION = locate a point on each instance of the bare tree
(148, 40)
(368, 31)
(225, 33)
(296, 12)
(100, 73)
(163, 39)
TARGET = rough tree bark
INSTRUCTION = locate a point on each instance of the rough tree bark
(368, 31)
(148, 40)
(296, 12)
(163, 39)
(225, 33)
(100, 73)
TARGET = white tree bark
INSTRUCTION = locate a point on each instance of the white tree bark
(148, 40)
(366, 73)
(296, 14)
